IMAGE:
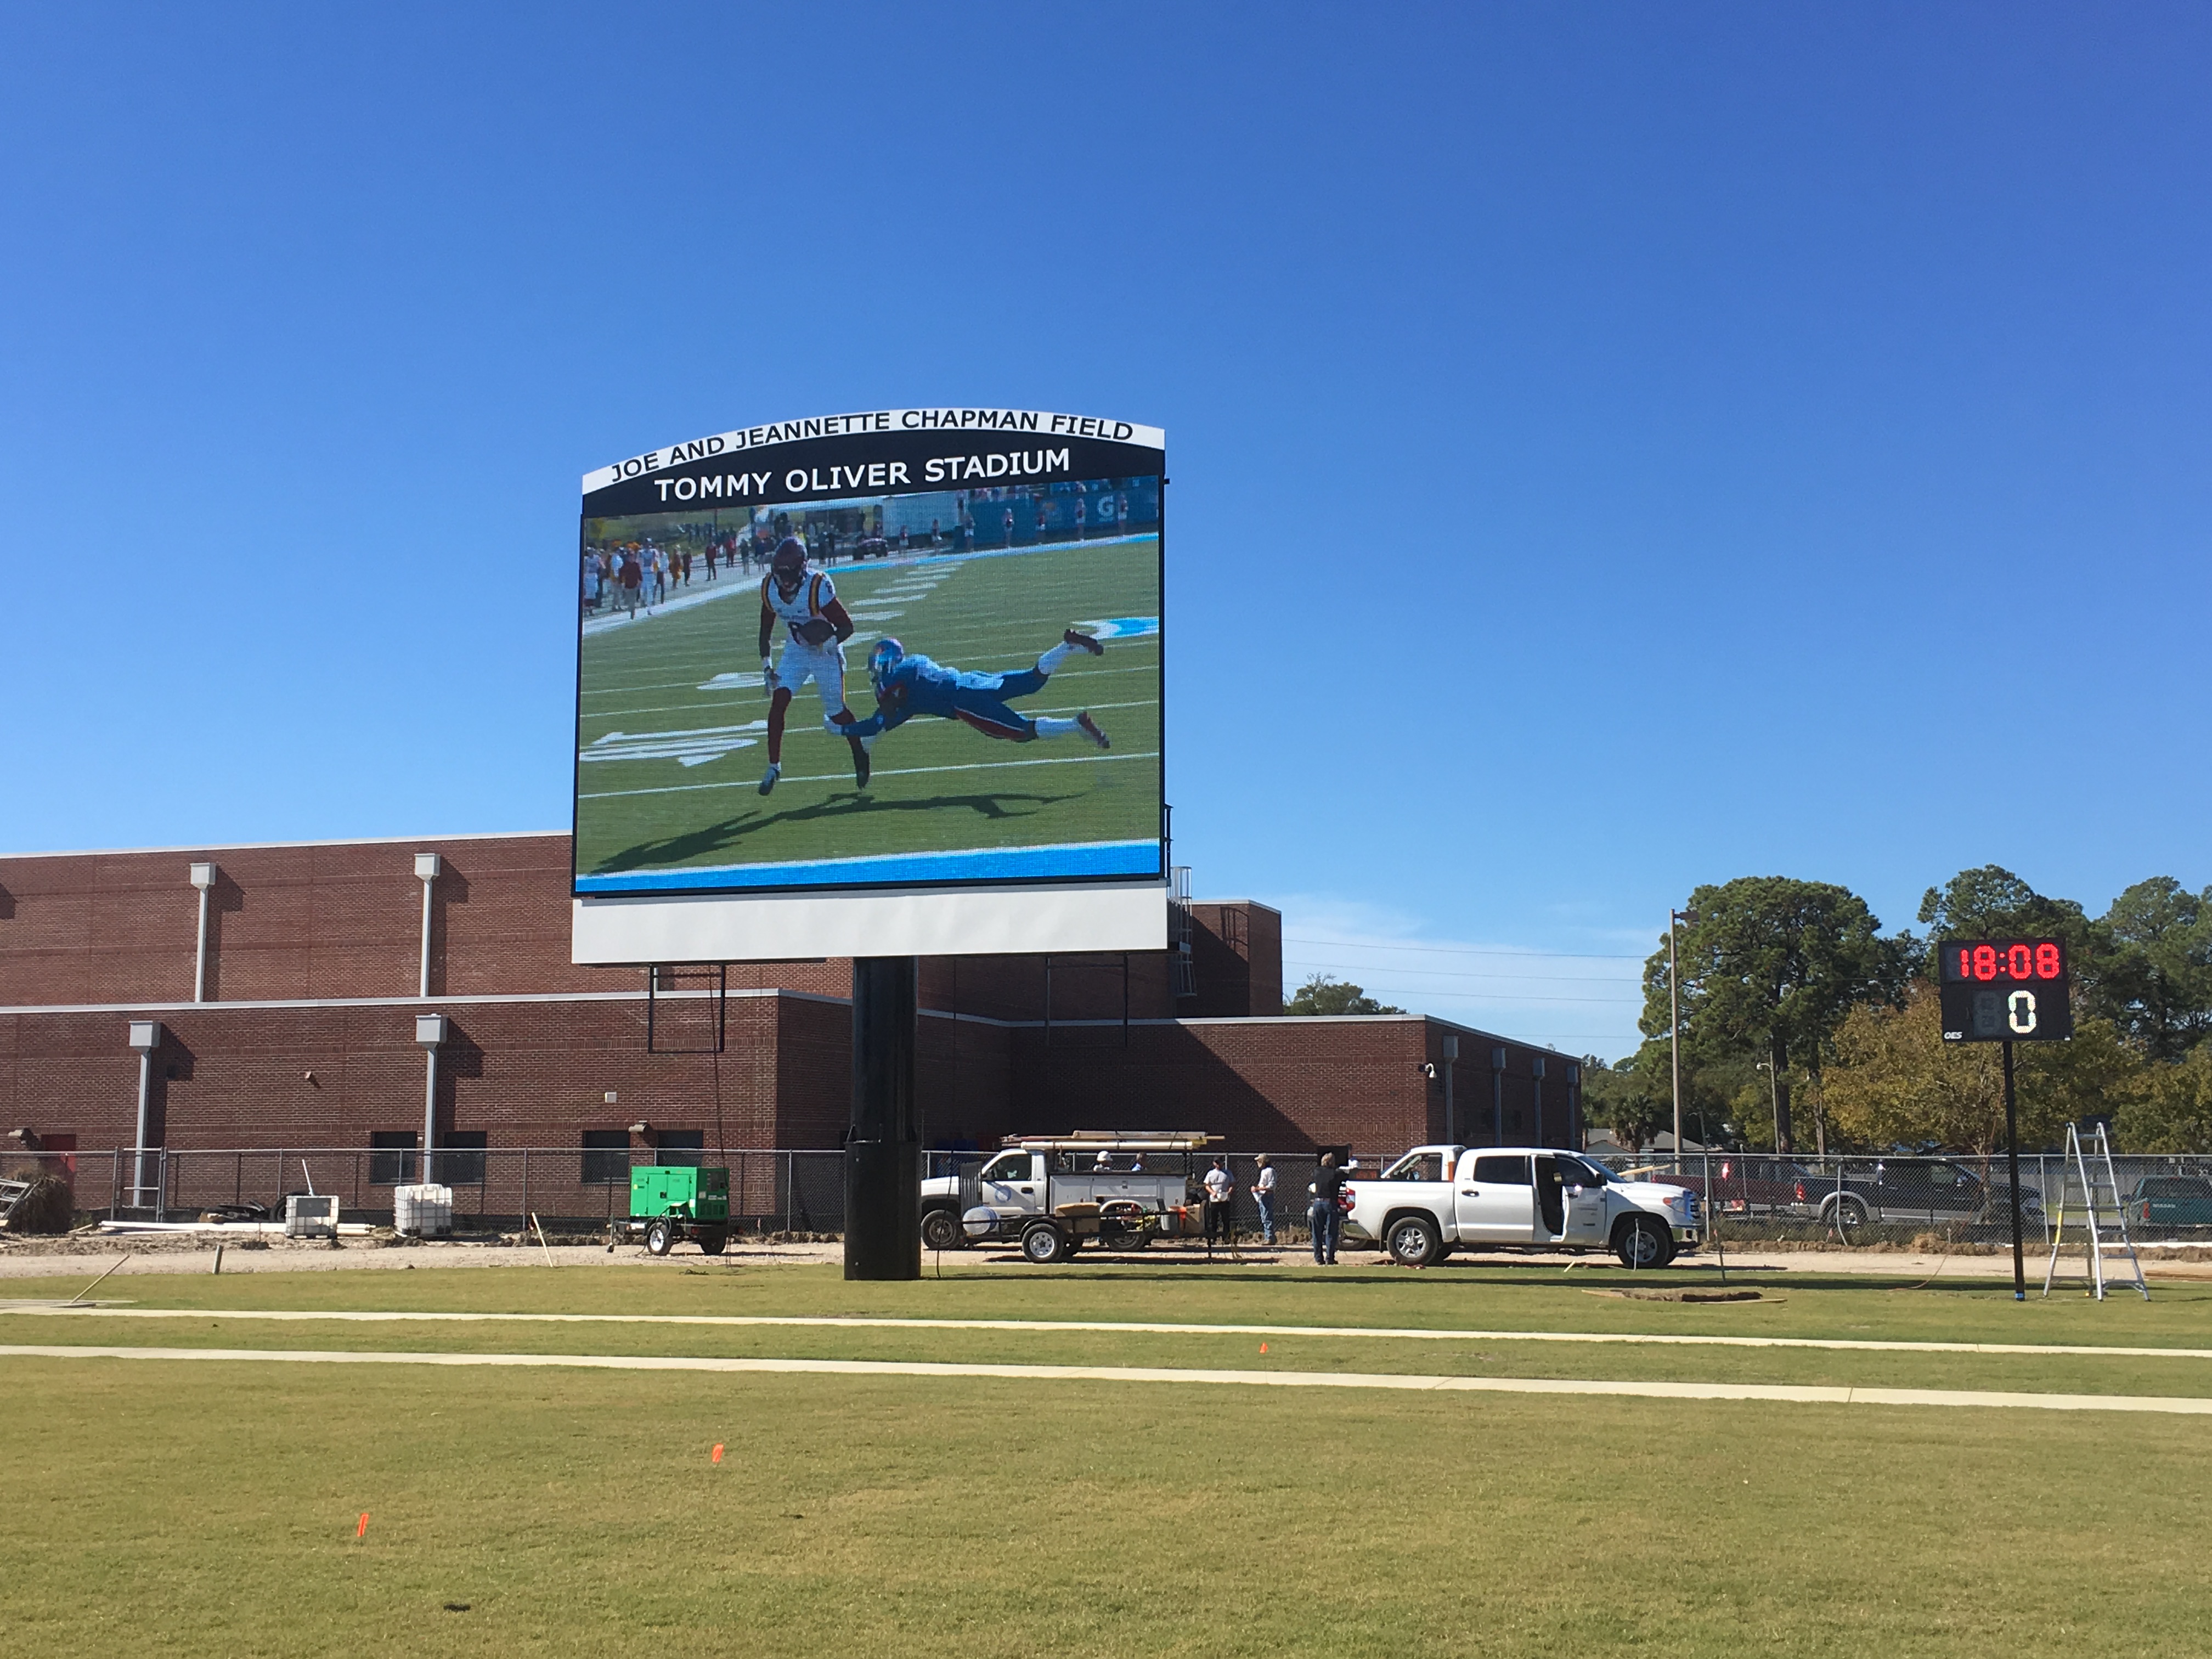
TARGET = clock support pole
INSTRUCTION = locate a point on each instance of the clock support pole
(2012, 1171)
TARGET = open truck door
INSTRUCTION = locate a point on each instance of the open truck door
(1493, 1199)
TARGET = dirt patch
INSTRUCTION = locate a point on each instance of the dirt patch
(1686, 1294)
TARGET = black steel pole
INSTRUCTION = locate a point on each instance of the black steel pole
(883, 1156)
(2012, 1166)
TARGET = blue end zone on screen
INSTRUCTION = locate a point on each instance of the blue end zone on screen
(1088, 858)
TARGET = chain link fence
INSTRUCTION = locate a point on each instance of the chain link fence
(496, 1189)
(1752, 1198)
(1897, 1199)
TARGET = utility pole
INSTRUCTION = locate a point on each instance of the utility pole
(1774, 1098)
(1674, 1021)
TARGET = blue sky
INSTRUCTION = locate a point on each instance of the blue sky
(1616, 446)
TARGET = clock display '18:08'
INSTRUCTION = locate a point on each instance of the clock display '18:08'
(2021, 961)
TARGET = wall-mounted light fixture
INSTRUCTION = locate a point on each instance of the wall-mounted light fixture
(203, 876)
(145, 1037)
(428, 867)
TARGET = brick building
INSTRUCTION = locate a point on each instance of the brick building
(287, 1018)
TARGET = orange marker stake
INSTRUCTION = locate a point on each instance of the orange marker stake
(362, 1531)
(718, 1451)
(1263, 1347)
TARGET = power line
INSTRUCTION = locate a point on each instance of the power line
(1446, 973)
(1463, 951)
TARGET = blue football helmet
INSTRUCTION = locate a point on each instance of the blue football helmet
(886, 655)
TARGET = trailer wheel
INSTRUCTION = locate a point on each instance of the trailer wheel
(1042, 1243)
(659, 1239)
(940, 1231)
(712, 1242)
(1412, 1241)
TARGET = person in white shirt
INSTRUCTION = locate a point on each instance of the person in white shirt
(1263, 1195)
(1220, 1200)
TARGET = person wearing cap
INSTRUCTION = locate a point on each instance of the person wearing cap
(1328, 1219)
(1263, 1196)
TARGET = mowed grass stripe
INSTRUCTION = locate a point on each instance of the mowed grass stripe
(1288, 1354)
(1766, 1391)
(1114, 1328)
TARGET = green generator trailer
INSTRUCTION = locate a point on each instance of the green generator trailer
(672, 1201)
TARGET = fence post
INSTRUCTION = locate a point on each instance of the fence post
(526, 1194)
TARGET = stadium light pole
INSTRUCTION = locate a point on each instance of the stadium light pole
(1774, 1096)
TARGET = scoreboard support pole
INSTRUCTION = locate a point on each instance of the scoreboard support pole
(2012, 1168)
(883, 1153)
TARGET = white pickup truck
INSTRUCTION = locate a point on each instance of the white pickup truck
(1439, 1198)
(1050, 1193)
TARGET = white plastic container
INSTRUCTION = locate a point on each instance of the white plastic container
(310, 1216)
(425, 1212)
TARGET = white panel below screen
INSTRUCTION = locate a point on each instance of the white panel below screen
(784, 927)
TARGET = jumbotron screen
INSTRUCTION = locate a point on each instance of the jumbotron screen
(899, 649)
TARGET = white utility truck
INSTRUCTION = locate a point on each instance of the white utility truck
(1050, 1193)
(1436, 1199)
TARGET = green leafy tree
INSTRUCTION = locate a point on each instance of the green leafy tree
(1768, 969)
(1894, 1081)
(1992, 902)
(1620, 1098)
(1323, 994)
(2172, 1112)
(2154, 979)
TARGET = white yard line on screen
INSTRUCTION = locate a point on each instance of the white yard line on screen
(881, 772)
(758, 695)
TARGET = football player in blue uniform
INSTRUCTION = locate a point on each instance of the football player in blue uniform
(909, 683)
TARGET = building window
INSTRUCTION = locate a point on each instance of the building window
(392, 1157)
(460, 1157)
(685, 1148)
(606, 1158)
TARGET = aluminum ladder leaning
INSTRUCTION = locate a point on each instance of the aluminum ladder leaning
(2080, 1191)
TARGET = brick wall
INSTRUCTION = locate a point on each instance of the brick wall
(341, 922)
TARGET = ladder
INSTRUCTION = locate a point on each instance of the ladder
(2090, 1191)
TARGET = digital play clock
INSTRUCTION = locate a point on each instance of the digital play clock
(2005, 990)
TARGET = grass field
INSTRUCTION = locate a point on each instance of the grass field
(210, 1507)
(687, 744)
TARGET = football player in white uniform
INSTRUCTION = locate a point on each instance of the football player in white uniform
(806, 602)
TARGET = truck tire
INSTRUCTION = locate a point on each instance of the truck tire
(1846, 1218)
(1044, 1243)
(940, 1231)
(1413, 1242)
(713, 1241)
(659, 1239)
(1640, 1241)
